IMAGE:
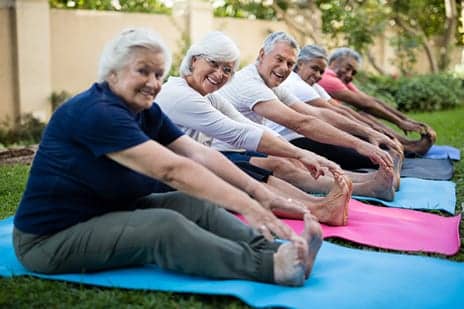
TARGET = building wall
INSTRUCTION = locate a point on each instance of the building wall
(7, 66)
(78, 37)
(248, 34)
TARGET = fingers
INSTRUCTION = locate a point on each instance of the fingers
(277, 227)
(382, 158)
(265, 232)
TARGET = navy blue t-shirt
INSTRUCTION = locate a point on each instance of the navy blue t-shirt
(71, 178)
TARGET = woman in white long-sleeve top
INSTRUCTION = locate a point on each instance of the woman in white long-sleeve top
(191, 103)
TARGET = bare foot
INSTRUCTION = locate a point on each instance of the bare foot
(397, 165)
(420, 147)
(289, 264)
(333, 209)
(380, 184)
(313, 235)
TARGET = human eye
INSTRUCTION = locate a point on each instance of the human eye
(143, 71)
(159, 75)
(213, 63)
(227, 70)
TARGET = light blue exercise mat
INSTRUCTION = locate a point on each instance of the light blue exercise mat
(424, 194)
(443, 152)
(342, 278)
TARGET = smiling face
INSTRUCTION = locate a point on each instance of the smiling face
(311, 70)
(140, 79)
(209, 75)
(275, 66)
(345, 68)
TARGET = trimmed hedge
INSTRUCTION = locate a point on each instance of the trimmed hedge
(420, 93)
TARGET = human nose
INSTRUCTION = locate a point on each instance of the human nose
(153, 81)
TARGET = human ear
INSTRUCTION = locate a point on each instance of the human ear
(261, 55)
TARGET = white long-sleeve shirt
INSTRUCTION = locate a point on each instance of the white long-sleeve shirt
(205, 118)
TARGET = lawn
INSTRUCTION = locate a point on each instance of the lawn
(31, 292)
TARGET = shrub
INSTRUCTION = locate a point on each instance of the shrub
(430, 92)
(58, 98)
(27, 130)
(381, 87)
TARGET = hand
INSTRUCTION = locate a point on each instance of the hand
(413, 126)
(266, 223)
(376, 155)
(314, 163)
(378, 139)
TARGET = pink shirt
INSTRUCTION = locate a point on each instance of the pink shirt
(331, 83)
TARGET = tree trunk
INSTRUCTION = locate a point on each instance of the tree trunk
(374, 64)
(424, 42)
(450, 32)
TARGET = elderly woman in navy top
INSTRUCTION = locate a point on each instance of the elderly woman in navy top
(88, 204)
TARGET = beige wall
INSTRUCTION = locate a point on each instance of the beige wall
(33, 57)
(78, 37)
(248, 34)
(7, 66)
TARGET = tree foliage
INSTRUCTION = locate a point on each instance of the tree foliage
(417, 24)
(246, 8)
(145, 6)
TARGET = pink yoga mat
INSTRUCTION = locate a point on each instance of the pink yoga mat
(395, 228)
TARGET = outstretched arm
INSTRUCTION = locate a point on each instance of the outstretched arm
(313, 127)
(186, 175)
(347, 125)
(377, 108)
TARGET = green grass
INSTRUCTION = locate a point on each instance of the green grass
(22, 292)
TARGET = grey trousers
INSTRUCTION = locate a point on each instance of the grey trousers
(172, 230)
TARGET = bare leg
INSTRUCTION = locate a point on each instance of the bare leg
(294, 172)
(377, 184)
(331, 209)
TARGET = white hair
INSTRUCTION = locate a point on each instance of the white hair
(276, 37)
(345, 52)
(216, 46)
(310, 52)
(117, 52)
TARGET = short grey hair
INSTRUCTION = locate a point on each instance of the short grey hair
(216, 46)
(310, 52)
(117, 52)
(276, 37)
(345, 52)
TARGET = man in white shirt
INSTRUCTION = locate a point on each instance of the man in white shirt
(256, 92)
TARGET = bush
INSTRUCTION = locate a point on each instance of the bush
(58, 98)
(26, 131)
(430, 92)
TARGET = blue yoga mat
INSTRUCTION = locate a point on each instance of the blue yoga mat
(342, 278)
(428, 168)
(417, 193)
(443, 152)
